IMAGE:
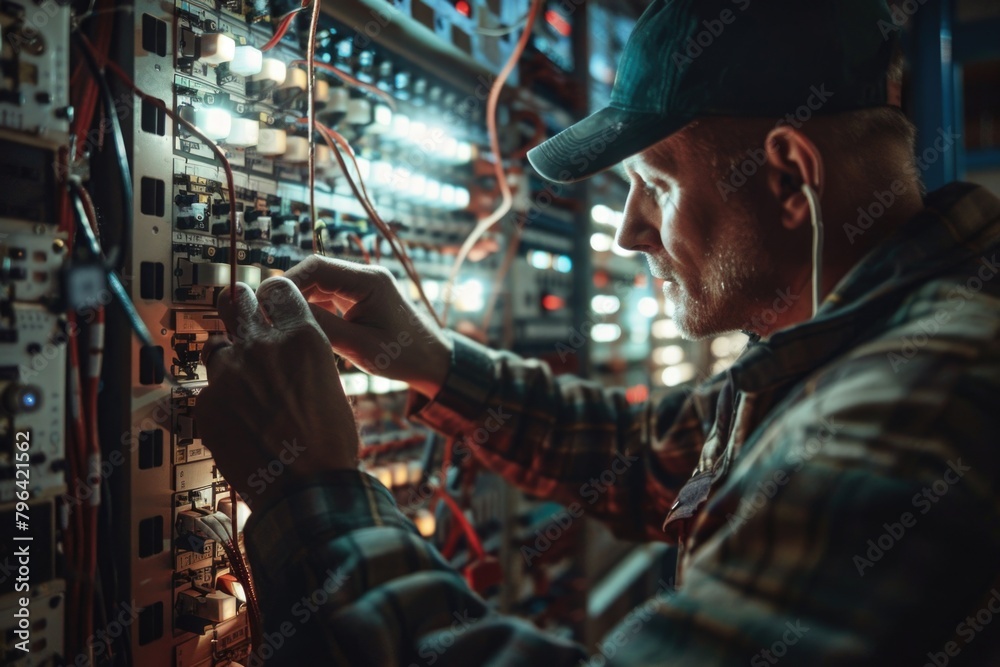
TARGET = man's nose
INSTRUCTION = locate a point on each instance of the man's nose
(640, 228)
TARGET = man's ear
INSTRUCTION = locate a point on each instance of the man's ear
(793, 160)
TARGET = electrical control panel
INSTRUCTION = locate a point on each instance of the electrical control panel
(129, 566)
(421, 156)
(34, 124)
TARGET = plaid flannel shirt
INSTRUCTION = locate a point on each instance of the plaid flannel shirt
(834, 493)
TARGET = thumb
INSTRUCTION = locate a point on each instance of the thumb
(344, 336)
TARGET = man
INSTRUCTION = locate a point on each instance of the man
(833, 494)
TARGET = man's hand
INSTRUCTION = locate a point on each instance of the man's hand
(379, 330)
(274, 412)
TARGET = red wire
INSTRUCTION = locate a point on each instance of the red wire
(347, 78)
(283, 25)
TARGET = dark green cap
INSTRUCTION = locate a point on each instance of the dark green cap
(765, 58)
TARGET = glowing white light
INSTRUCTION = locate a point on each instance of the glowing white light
(602, 214)
(540, 259)
(433, 190)
(601, 242)
(605, 332)
(400, 126)
(462, 197)
(449, 148)
(668, 356)
(622, 252)
(382, 119)
(464, 152)
(417, 186)
(447, 194)
(214, 122)
(419, 132)
(354, 383)
(470, 296)
(720, 347)
(432, 288)
(247, 61)
(674, 375)
(382, 173)
(665, 329)
(605, 304)
(648, 307)
(379, 385)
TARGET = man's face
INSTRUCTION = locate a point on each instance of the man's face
(714, 255)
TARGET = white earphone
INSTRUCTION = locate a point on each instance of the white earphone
(817, 259)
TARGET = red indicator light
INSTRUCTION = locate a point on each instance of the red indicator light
(637, 394)
(558, 23)
(463, 8)
(553, 302)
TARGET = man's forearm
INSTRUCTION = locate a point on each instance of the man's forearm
(564, 438)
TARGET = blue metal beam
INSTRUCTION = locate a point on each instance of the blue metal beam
(936, 95)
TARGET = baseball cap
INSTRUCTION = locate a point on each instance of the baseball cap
(691, 58)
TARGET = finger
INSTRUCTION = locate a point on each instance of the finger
(283, 304)
(216, 354)
(242, 314)
(336, 277)
(344, 336)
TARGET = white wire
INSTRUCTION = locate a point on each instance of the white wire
(817, 247)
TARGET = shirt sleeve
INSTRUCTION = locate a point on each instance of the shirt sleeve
(569, 440)
(345, 579)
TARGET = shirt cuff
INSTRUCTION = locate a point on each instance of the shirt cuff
(331, 504)
(464, 396)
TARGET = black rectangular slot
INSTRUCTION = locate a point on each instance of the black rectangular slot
(150, 449)
(154, 35)
(151, 196)
(151, 365)
(150, 536)
(151, 623)
(151, 280)
(154, 119)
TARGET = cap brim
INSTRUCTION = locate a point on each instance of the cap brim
(598, 142)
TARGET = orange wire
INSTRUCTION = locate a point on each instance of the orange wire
(507, 197)
(347, 78)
